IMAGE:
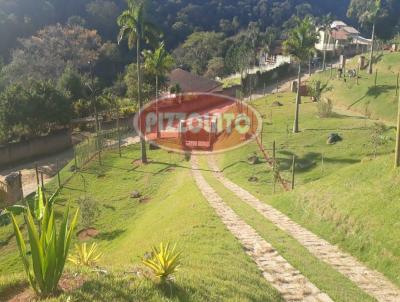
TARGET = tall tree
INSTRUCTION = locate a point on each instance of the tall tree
(367, 12)
(300, 45)
(45, 55)
(137, 28)
(158, 63)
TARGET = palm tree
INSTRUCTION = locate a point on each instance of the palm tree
(325, 26)
(158, 63)
(137, 28)
(300, 44)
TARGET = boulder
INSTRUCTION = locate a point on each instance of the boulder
(333, 139)
(253, 160)
(253, 179)
(136, 194)
(276, 104)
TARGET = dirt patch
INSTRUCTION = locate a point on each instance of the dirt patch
(87, 234)
(138, 162)
(23, 293)
(144, 199)
(27, 294)
(70, 282)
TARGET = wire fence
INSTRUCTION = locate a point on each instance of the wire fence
(52, 177)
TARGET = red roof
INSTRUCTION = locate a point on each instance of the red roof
(190, 82)
(340, 34)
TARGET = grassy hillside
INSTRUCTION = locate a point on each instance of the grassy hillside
(350, 198)
(315, 158)
(214, 265)
(380, 101)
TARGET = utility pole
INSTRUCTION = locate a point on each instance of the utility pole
(397, 158)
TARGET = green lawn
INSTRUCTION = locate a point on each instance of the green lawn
(351, 199)
(214, 265)
(380, 101)
(338, 287)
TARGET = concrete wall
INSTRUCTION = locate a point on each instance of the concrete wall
(46, 145)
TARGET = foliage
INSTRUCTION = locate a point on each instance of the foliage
(32, 109)
(216, 68)
(301, 40)
(158, 63)
(48, 249)
(378, 137)
(102, 15)
(324, 108)
(72, 83)
(47, 54)
(366, 11)
(198, 49)
(164, 261)
(238, 59)
(135, 25)
(85, 256)
(89, 210)
(131, 82)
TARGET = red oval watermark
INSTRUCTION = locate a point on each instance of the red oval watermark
(198, 122)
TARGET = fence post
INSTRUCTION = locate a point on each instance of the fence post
(397, 84)
(58, 174)
(41, 178)
(76, 161)
(119, 135)
(37, 174)
(20, 184)
(274, 152)
(99, 153)
(293, 170)
(322, 164)
(358, 72)
(376, 76)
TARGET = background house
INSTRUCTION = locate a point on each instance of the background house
(342, 39)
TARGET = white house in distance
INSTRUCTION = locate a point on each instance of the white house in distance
(342, 39)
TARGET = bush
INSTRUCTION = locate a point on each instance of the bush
(324, 108)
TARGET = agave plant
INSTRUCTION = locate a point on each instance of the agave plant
(48, 248)
(164, 261)
(84, 256)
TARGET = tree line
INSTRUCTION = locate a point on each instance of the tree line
(73, 53)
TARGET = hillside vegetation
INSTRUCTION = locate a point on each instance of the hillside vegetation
(377, 102)
(346, 193)
(214, 265)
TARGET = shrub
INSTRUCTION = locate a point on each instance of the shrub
(48, 248)
(89, 211)
(164, 261)
(324, 108)
(84, 256)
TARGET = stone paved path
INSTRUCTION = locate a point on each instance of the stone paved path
(292, 285)
(372, 282)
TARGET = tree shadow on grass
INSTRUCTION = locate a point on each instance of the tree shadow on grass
(308, 161)
(111, 235)
(110, 288)
(375, 92)
(172, 290)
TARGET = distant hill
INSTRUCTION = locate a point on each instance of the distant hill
(177, 18)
